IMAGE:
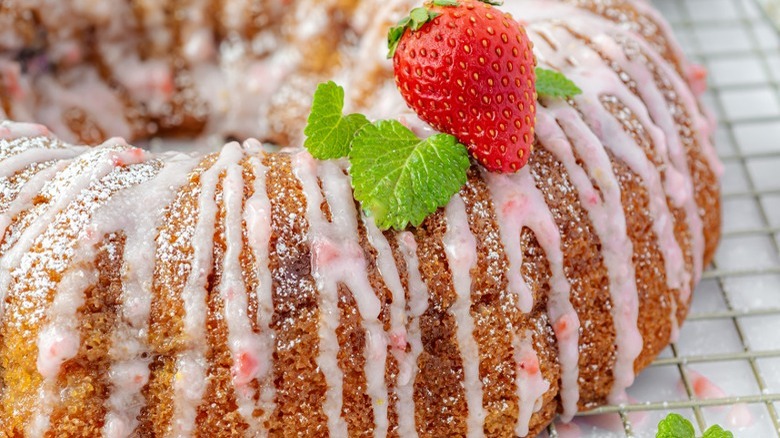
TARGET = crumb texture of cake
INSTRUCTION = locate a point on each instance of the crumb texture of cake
(245, 293)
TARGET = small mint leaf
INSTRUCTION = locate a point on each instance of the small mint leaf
(551, 83)
(400, 179)
(446, 3)
(356, 122)
(493, 2)
(329, 133)
(675, 426)
(717, 432)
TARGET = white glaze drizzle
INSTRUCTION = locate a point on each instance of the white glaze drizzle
(609, 222)
(22, 131)
(407, 364)
(59, 339)
(63, 190)
(129, 351)
(69, 241)
(656, 118)
(597, 78)
(257, 216)
(601, 80)
(190, 381)
(18, 162)
(338, 193)
(519, 203)
(531, 384)
(338, 258)
(244, 344)
(327, 361)
(24, 199)
(679, 160)
(461, 249)
(398, 337)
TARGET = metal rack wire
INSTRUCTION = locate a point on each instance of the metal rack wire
(744, 17)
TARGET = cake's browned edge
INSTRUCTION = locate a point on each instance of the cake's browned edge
(439, 396)
(300, 385)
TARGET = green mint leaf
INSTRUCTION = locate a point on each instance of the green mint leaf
(414, 21)
(446, 3)
(551, 83)
(356, 122)
(493, 2)
(400, 179)
(717, 432)
(329, 133)
(675, 426)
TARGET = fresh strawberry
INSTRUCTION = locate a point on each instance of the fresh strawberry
(468, 69)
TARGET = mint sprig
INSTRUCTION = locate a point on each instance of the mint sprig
(328, 131)
(402, 179)
(677, 426)
(398, 178)
(551, 83)
(717, 432)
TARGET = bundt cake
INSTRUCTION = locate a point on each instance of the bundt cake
(243, 292)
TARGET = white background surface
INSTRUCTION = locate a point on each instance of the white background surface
(729, 350)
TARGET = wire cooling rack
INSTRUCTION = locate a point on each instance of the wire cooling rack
(725, 368)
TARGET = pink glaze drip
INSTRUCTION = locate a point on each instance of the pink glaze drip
(460, 247)
(189, 382)
(520, 204)
(607, 217)
(338, 258)
(257, 216)
(418, 304)
(531, 384)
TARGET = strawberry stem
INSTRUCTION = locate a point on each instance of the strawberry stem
(414, 21)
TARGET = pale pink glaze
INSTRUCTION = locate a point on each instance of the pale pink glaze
(739, 416)
(460, 247)
(703, 387)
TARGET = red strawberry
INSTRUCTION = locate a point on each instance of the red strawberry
(468, 70)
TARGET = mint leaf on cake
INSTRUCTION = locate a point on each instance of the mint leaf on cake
(329, 132)
(402, 179)
(551, 83)
(485, 109)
